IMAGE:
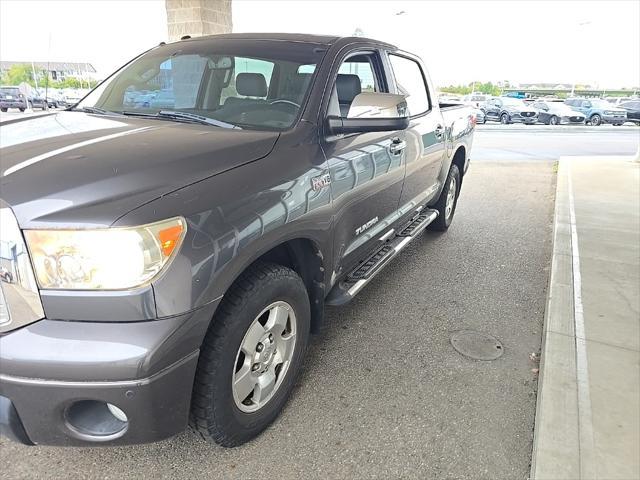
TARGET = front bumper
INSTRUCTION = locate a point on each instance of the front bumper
(529, 120)
(614, 119)
(50, 369)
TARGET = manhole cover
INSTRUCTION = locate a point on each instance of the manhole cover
(477, 345)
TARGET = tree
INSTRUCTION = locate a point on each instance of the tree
(18, 74)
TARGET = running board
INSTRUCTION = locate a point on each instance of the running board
(344, 291)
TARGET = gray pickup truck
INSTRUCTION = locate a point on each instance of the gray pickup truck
(171, 240)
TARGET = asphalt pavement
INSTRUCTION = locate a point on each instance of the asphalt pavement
(384, 394)
(510, 143)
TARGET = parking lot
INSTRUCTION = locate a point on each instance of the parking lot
(384, 394)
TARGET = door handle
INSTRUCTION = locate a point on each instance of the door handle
(439, 132)
(397, 146)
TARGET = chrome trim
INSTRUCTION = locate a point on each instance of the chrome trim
(387, 235)
(359, 285)
(20, 302)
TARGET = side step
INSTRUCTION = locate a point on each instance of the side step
(344, 291)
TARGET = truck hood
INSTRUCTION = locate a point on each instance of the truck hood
(77, 169)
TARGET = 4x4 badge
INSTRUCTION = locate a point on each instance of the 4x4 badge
(318, 183)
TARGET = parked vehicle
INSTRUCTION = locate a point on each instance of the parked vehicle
(54, 97)
(557, 113)
(73, 96)
(36, 100)
(633, 110)
(475, 99)
(180, 265)
(618, 100)
(12, 97)
(509, 110)
(598, 111)
(480, 116)
(163, 99)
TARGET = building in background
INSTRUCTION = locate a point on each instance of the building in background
(198, 17)
(58, 71)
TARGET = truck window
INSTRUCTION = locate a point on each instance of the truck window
(411, 83)
(357, 74)
(362, 67)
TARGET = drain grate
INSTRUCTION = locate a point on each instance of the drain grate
(477, 345)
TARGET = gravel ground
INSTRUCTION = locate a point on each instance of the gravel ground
(384, 394)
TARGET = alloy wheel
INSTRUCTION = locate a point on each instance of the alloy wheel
(451, 198)
(264, 357)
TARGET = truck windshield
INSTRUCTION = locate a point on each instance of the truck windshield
(248, 84)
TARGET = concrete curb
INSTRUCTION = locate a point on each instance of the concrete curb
(556, 445)
(587, 424)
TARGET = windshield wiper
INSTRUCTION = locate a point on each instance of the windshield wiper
(99, 111)
(196, 118)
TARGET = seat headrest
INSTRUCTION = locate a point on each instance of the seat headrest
(251, 84)
(348, 86)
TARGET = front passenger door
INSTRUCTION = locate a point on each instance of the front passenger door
(367, 169)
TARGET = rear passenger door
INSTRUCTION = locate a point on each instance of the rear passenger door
(367, 169)
(425, 137)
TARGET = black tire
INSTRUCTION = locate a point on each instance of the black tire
(554, 120)
(21, 109)
(3, 109)
(596, 120)
(504, 119)
(442, 221)
(30, 105)
(214, 413)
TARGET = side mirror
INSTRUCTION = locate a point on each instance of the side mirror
(341, 125)
(372, 112)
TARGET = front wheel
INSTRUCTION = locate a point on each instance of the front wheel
(3, 109)
(251, 355)
(554, 120)
(447, 202)
(596, 120)
(504, 119)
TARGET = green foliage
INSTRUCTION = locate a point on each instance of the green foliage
(488, 88)
(70, 82)
(18, 74)
(23, 73)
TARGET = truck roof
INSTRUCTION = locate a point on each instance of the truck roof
(290, 37)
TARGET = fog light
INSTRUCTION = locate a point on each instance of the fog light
(96, 421)
(116, 412)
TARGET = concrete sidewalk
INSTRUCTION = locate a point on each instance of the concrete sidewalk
(588, 412)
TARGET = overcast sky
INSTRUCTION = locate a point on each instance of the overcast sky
(594, 42)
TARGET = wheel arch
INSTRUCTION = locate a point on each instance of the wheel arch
(305, 257)
(459, 159)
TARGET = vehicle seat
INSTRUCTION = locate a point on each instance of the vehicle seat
(248, 85)
(348, 86)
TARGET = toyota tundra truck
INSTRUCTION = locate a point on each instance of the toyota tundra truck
(167, 261)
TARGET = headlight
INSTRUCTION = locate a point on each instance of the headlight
(103, 259)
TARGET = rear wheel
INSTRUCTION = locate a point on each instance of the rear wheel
(21, 109)
(3, 109)
(596, 120)
(251, 355)
(446, 204)
(504, 119)
(554, 120)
